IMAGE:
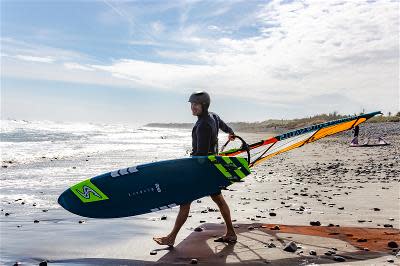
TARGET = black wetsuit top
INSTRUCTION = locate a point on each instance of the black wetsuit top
(205, 134)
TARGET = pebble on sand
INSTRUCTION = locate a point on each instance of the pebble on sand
(276, 227)
(315, 223)
(153, 252)
(393, 244)
(339, 258)
(36, 221)
(313, 253)
(194, 261)
(390, 260)
(198, 229)
(164, 217)
(290, 247)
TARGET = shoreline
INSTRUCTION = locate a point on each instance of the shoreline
(325, 181)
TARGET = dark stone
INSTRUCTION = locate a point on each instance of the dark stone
(153, 252)
(36, 221)
(387, 225)
(250, 227)
(290, 247)
(339, 259)
(81, 221)
(45, 210)
(43, 263)
(271, 245)
(316, 223)
(164, 217)
(272, 214)
(198, 229)
(202, 221)
(313, 253)
(393, 244)
(377, 209)
(6, 214)
(276, 227)
(194, 261)
(362, 240)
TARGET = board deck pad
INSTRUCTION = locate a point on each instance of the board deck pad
(152, 187)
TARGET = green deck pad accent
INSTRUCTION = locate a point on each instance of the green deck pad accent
(237, 170)
(243, 161)
(219, 166)
(230, 151)
(86, 191)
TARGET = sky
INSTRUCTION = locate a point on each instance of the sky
(139, 61)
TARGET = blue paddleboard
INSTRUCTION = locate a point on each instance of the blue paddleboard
(151, 187)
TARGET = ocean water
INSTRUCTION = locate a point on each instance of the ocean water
(40, 159)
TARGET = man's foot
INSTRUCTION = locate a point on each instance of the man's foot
(226, 239)
(166, 240)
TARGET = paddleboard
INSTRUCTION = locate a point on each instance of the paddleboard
(152, 187)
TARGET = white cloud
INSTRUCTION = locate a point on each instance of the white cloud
(35, 58)
(304, 51)
(77, 66)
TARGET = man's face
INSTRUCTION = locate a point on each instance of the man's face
(196, 109)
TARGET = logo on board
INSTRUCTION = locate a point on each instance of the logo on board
(86, 192)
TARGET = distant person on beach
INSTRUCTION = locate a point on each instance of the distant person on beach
(204, 142)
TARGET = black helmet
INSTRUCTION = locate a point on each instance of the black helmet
(200, 97)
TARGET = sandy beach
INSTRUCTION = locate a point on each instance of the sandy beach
(337, 204)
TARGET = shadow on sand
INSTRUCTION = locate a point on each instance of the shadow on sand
(251, 246)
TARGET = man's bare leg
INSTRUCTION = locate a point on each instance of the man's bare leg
(180, 220)
(226, 214)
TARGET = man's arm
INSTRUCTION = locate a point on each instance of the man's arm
(227, 129)
(224, 127)
(203, 132)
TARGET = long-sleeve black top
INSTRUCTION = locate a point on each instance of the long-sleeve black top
(205, 134)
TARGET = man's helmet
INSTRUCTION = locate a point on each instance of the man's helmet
(200, 97)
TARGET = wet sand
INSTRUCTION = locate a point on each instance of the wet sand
(355, 191)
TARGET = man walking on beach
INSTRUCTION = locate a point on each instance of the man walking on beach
(204, 142)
